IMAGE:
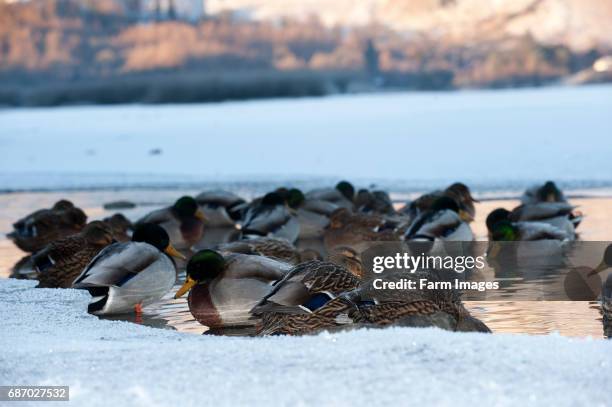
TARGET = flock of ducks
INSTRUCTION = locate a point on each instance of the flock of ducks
(290, 262)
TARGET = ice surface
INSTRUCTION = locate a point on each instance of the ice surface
(489, 138)
(47, 338)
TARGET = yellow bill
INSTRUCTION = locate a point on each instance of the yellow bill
(200, 215)
(171, 251)
(465, 216)
(188, 285)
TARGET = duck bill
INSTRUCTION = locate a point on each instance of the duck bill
(186, 287)
(465, 216)
(200, 215)
(602, 266)
(171, 251)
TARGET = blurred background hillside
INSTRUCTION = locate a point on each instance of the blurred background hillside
(56, 52)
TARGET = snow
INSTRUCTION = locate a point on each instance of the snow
(494, 139)
(48, 339)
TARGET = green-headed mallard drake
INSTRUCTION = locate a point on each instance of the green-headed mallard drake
(224, 289)
(342, 195)
(271, 217)
(63, 260)
(123, 277)
(442, 221)
(549, 193)
(557, 214)
(501, 227)
(458, 191)
(33, 232)
(120, 226)
(306, 288)
(183, 221)
(221, 208)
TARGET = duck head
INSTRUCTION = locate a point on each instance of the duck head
(156, 236)
(295, 198)
(496, 216)
(347, 189)
(187, 207)
(504, 231)
(445, 202)
(549, 192)
(203, 267)
(462, 192)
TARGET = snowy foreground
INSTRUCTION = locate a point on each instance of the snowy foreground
(47, 339)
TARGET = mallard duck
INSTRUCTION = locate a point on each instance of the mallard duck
(221, 208)
(183, 221)
(557, 214)
(458, 191)
(271, 217)
(61, 261)
(312, 215)
(124, 277)
(501, 228)
(367, 306)
(306, 288)
(224, 289)
(431, 307)
(548, 192)
(120, 226)
(342, 195)
(442, 221)
(375, 202)
(33, 232)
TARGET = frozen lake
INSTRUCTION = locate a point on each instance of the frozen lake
(491, 139)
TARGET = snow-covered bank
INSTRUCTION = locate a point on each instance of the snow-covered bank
(47, 338)
(495, 138)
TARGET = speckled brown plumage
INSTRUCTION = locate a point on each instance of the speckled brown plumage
(63, 260)
(282, 311)
(366, 306)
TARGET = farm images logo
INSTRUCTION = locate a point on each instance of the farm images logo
(517, 271)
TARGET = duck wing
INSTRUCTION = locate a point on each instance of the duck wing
(158, 216)
(539, 211)
(540, 231)
(437, 224)
(218, 197)
(302, 285)
(266, 220)
(116, 264)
